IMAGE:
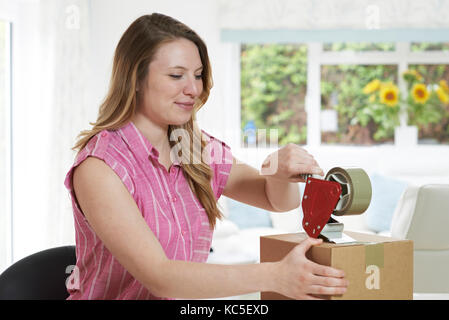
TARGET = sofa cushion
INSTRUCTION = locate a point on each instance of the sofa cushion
(386, 194)
(225, 228)
(245, 216)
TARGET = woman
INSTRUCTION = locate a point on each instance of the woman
(146, 181)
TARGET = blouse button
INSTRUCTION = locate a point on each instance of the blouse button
(104, 134)
(174, 199)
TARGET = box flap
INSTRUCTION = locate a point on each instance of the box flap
(361, 238)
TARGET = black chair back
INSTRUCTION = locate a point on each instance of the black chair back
(40, 276)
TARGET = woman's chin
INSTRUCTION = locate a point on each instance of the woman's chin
(180, 121)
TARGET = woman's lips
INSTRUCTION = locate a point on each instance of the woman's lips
(185, 106)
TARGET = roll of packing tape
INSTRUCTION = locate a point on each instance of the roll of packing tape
(356, 190)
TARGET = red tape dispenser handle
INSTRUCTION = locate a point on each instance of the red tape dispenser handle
(318, 203)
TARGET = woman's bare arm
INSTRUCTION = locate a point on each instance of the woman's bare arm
(275, 187)
(114, 216)
(247, 185)
(116, 219)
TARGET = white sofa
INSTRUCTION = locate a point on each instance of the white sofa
(428, 227)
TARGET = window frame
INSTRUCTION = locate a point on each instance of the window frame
(402, 56)
(7, 237)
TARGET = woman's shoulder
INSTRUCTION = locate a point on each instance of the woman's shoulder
(97, 145)
(219, 157)
(218, 152)
(210, 139)
(107, 146)
(92, 168)
(103, 144)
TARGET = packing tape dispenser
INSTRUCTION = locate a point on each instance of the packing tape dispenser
(343, 191)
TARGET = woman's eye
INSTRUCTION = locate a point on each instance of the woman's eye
(177, 76)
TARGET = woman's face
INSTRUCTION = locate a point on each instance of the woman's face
(173, 84)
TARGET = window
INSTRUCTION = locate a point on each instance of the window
(273, 89)
(5, 152)
(359, 46)
(433, 119)
(429, 46)
(319, 93)
(345, 118)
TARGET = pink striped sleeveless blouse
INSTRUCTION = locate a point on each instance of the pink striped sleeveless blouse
(165, 200)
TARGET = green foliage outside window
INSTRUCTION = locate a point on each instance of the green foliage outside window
(273, 86)
(356, 123)
(432, 117)
(429, 46)
(359, 46)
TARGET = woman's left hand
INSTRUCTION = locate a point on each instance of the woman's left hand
(289, 162)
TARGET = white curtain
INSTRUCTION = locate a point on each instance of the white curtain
(69, 35)
(52, 107)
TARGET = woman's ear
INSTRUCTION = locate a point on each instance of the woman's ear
(138, 86)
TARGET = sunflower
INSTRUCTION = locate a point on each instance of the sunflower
(442, 95)
(444, 86)
(371, 86)
(420, 93)
(389, 95)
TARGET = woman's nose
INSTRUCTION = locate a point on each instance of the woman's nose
(193, 87)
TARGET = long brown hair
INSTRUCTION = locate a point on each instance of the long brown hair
(133, 54)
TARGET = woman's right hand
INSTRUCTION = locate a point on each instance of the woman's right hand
(300, 278)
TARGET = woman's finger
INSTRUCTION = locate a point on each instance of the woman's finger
(323, 290)
(329, 281)
(305, 245)
(300, 155)
(298, 169)
(325, 271)
(312, 297)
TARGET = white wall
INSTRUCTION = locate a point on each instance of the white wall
(332, 14)
(30, 164)
(8, 13)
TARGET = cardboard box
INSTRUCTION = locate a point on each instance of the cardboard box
(376, 267)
